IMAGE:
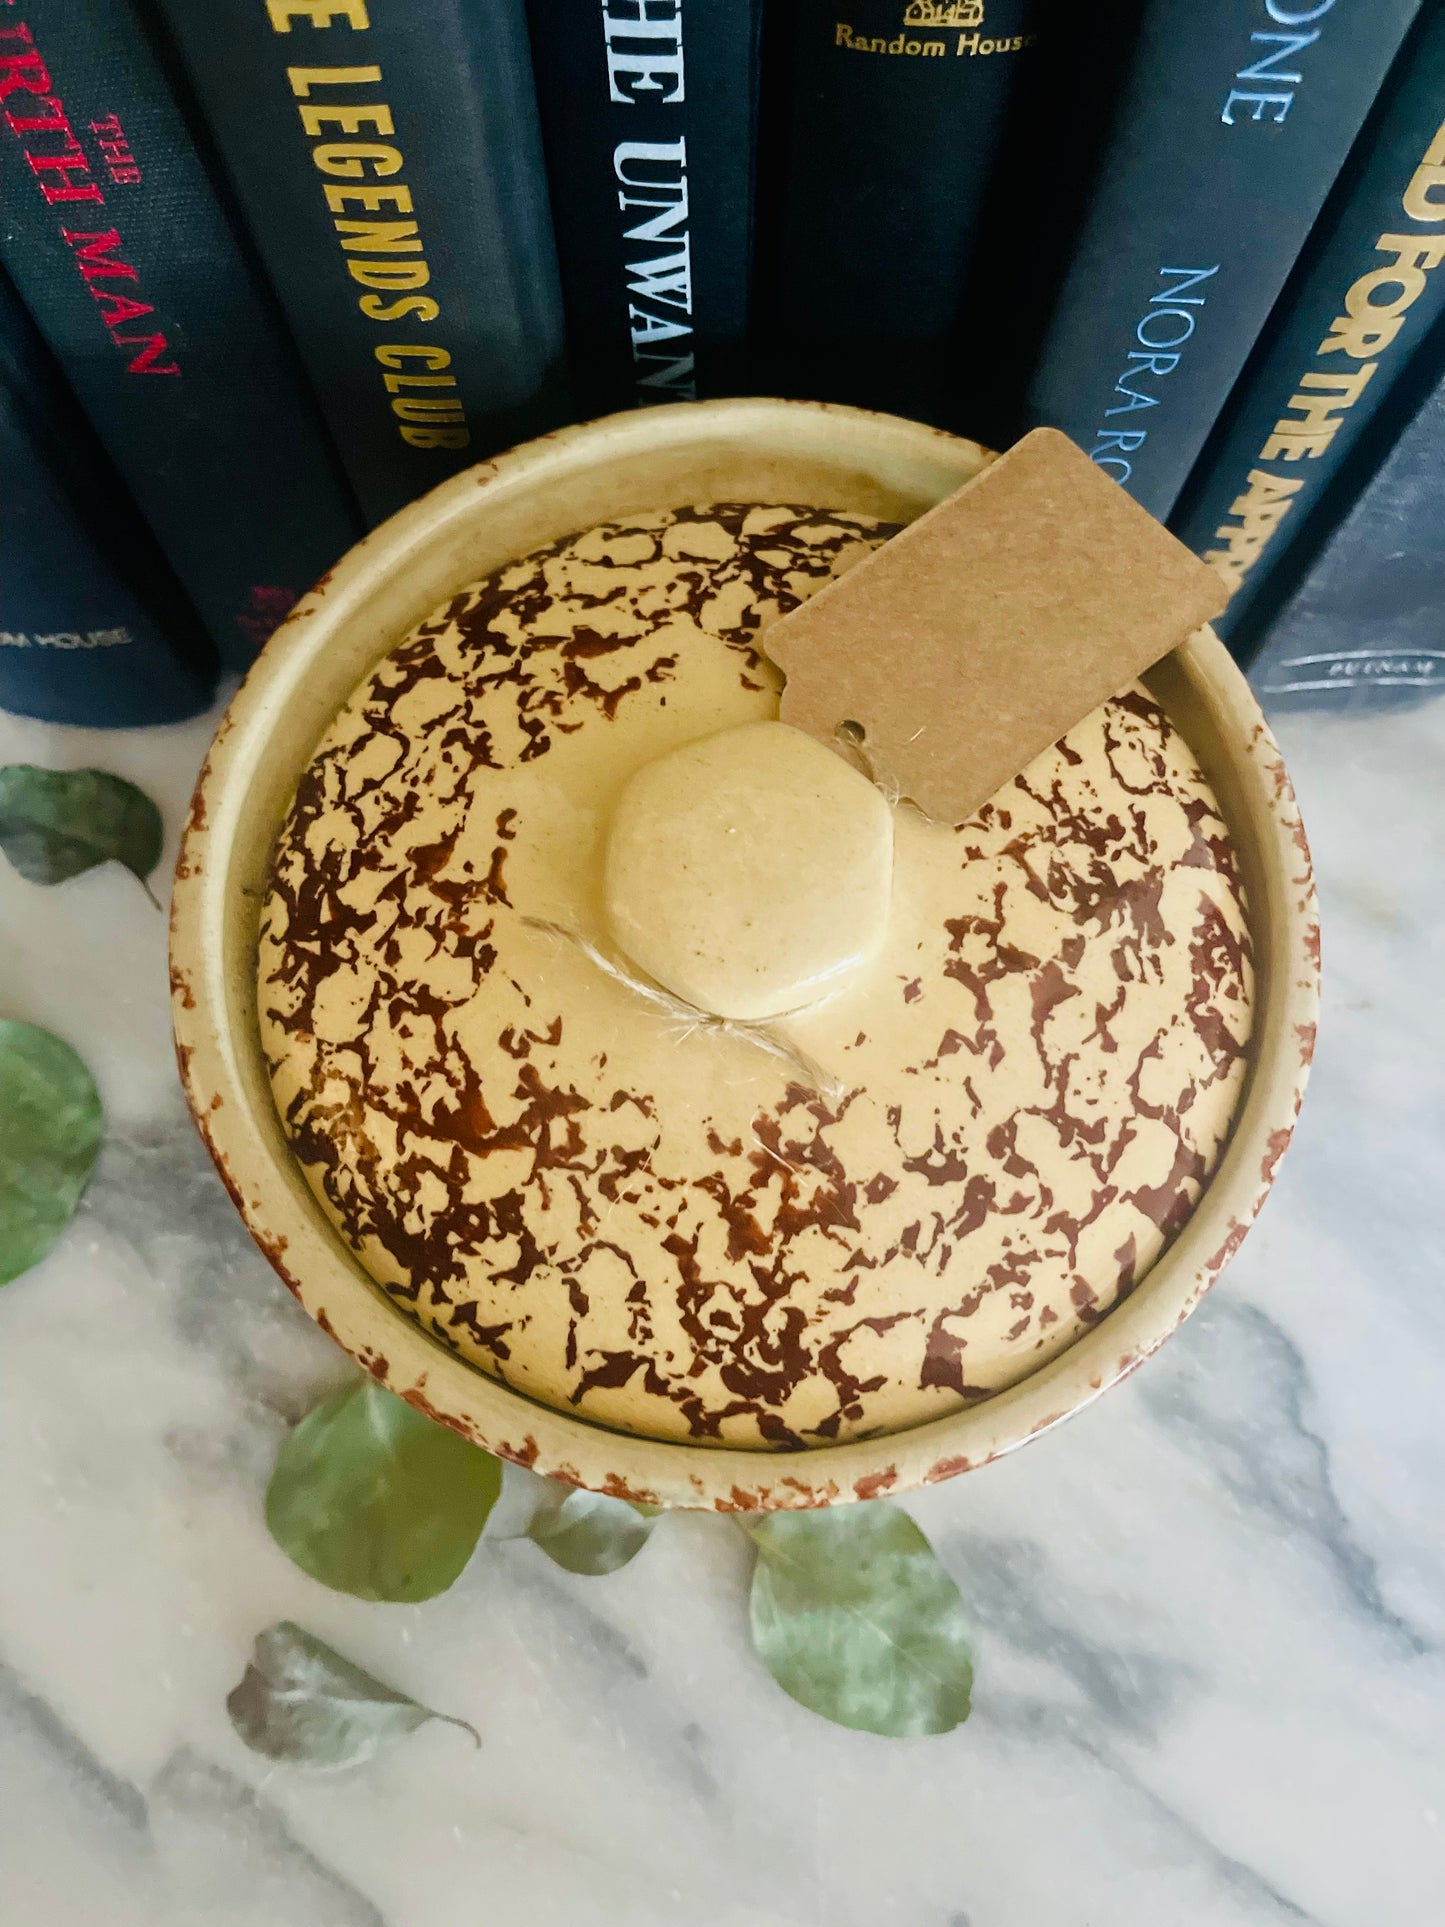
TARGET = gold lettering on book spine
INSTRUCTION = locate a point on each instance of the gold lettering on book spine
(944, 13)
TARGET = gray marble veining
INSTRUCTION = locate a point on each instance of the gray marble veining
(1210, 1610)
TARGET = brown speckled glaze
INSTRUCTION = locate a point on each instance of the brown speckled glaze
(671, 1233)
(754, 450)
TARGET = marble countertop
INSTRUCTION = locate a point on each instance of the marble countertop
(1210, 1611)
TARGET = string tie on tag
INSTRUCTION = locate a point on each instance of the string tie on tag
(695, 1020)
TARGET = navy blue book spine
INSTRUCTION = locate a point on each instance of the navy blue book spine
(114, 235)
(1235, 120)
(649, 122)
(882, 126)
(1369, 287)
(83, 638)
(387, 157)
(1359, 625)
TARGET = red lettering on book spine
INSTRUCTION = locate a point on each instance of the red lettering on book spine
(148, 360)
(58, 163)
(26, 73)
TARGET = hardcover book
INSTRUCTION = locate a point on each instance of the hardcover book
(115, 238)
(387, 157)
(1358, 625)
(1231, 129)
(1060, 112)
(1369, 287)
(882, 120)
(649, 122)
(91, 632)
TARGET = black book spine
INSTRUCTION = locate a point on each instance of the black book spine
(387, 158)
(1369, 287)
(113, 233)
(883, 120)
(1358, 624)
(649, 121)
(1059, 117)
(91, 630)
(1234, 122)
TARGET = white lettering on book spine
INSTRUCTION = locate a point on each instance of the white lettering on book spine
(1267, 82)
(1356, 669)
(644, 49)
(1169, 320)
(1274, 71)
(66, 639)
(643, 39)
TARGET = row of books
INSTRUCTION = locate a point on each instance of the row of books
(270, 269)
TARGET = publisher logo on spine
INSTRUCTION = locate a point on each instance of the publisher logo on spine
(1356, 669)
(947, 27)
(944, 13)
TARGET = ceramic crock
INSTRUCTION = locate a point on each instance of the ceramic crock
(767, 451)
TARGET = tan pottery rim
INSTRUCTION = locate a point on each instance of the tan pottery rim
(690, 452)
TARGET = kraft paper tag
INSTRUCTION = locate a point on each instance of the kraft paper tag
(985, 630)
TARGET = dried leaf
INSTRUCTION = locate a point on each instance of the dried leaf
(55, 823)
(373, 1498)
(51, 1128)
(588, 1532)
(301, 1702)
(853, 1615)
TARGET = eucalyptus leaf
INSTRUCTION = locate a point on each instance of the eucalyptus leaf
(51, 1128)
(301, 1702)
(589, 1532)
(370, 1497)
(853, 1615)
(55, 823)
